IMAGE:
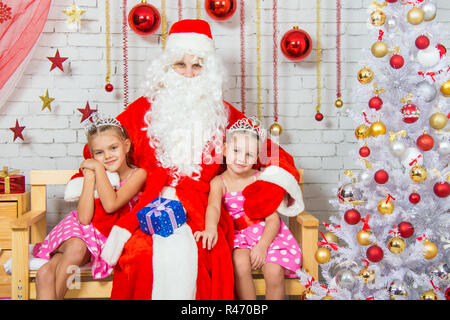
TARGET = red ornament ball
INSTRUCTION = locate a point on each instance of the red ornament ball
(375, 103)
(374, 253)
(442, 50)
(220, 9)
(411, 113)
(397, 61)
(364, 151)
(296, 44)
(109, 87)
(441, 189)
(352, 216)
(414, 198)
(144, 19)
(318, 116)
(425, 142)
(391, 1)
(405, 229)
(381, 176)
(447, 294)
(422, 42)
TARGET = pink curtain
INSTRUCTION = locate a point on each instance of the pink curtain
(21, 24)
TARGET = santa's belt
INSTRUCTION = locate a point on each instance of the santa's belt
(244, 222)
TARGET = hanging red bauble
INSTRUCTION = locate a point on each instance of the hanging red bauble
(109, 87)
(352, 216)
(422, 42)
(441, 189)
(144, 19)
(296, 44)
(414, 198)
(381, 176)
(410, 113)
(405, 229)
(397, 61)
(425, 142)
(374, 253)
(375, 103)
(447, 294)
(364, 151)
(220, 9)
(318, 116)
(442, 50)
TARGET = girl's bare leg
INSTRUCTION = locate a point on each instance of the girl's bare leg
(46, 279)
(274, 277)
(245, 288)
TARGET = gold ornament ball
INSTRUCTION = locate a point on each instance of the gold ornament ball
(445, 88)
(365, 75)
(438, 121)
(331, 237)
(362, 131)
(428, 295)
(377, 128)
(418, 174)
(327, 297)
(338, 103)
(416, 16)
(379, 49)
(363, 237)
(385, 208)
(396, 245)
(430, 250)
(366, 275)
(275, 129)
(378, 18)
(323, 255)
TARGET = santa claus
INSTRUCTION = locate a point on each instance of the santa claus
(177, 130)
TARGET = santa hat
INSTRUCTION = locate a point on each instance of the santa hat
(191, 36)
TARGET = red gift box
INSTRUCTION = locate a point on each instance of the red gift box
(11, 181)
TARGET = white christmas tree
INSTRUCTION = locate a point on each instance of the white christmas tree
(393, 226)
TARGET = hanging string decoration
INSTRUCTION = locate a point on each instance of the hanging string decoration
(125, 53)
(338, 103)
(199, 8)
(258, 59)
(275, 129)
(108, 87)
(319, 115)
(180, 9)
(164, 23)
(242, 36)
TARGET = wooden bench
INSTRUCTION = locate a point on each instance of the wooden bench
(32, 228)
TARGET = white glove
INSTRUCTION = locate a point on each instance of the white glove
(114, 245)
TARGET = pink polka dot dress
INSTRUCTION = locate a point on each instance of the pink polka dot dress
(70, 227)
(284, 249)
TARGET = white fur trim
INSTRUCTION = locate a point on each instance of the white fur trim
(75, 186)
(114, 245)
(175, 260)
(190, 41)
(284, 179)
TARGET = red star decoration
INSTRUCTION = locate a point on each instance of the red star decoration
(17, 131)
(87, 111)
(57, 61)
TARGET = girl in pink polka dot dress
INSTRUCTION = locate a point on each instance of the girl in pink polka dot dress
(265, 244)
(79, 238)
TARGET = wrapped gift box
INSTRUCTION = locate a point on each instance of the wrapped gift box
(11, 181)
(161, 216)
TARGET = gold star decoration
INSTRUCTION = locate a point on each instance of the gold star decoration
(74, 14)
(46, 100)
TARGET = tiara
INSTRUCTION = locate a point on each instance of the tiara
(97, 120)
(250, 125)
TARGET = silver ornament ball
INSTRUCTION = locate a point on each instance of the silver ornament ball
(426, 90)
(346, 279)
(397, 290)
(398, 148)
(365, 177)
(444, 148)
(430, 11)
(391, 23)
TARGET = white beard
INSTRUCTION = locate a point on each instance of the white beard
(187, 115)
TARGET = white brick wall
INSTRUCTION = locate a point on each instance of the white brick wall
(54, 140)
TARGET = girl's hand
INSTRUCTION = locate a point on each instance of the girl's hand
(209, 238)
(258, 256)
(91, 164)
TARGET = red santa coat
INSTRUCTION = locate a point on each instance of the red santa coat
(133, 276)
